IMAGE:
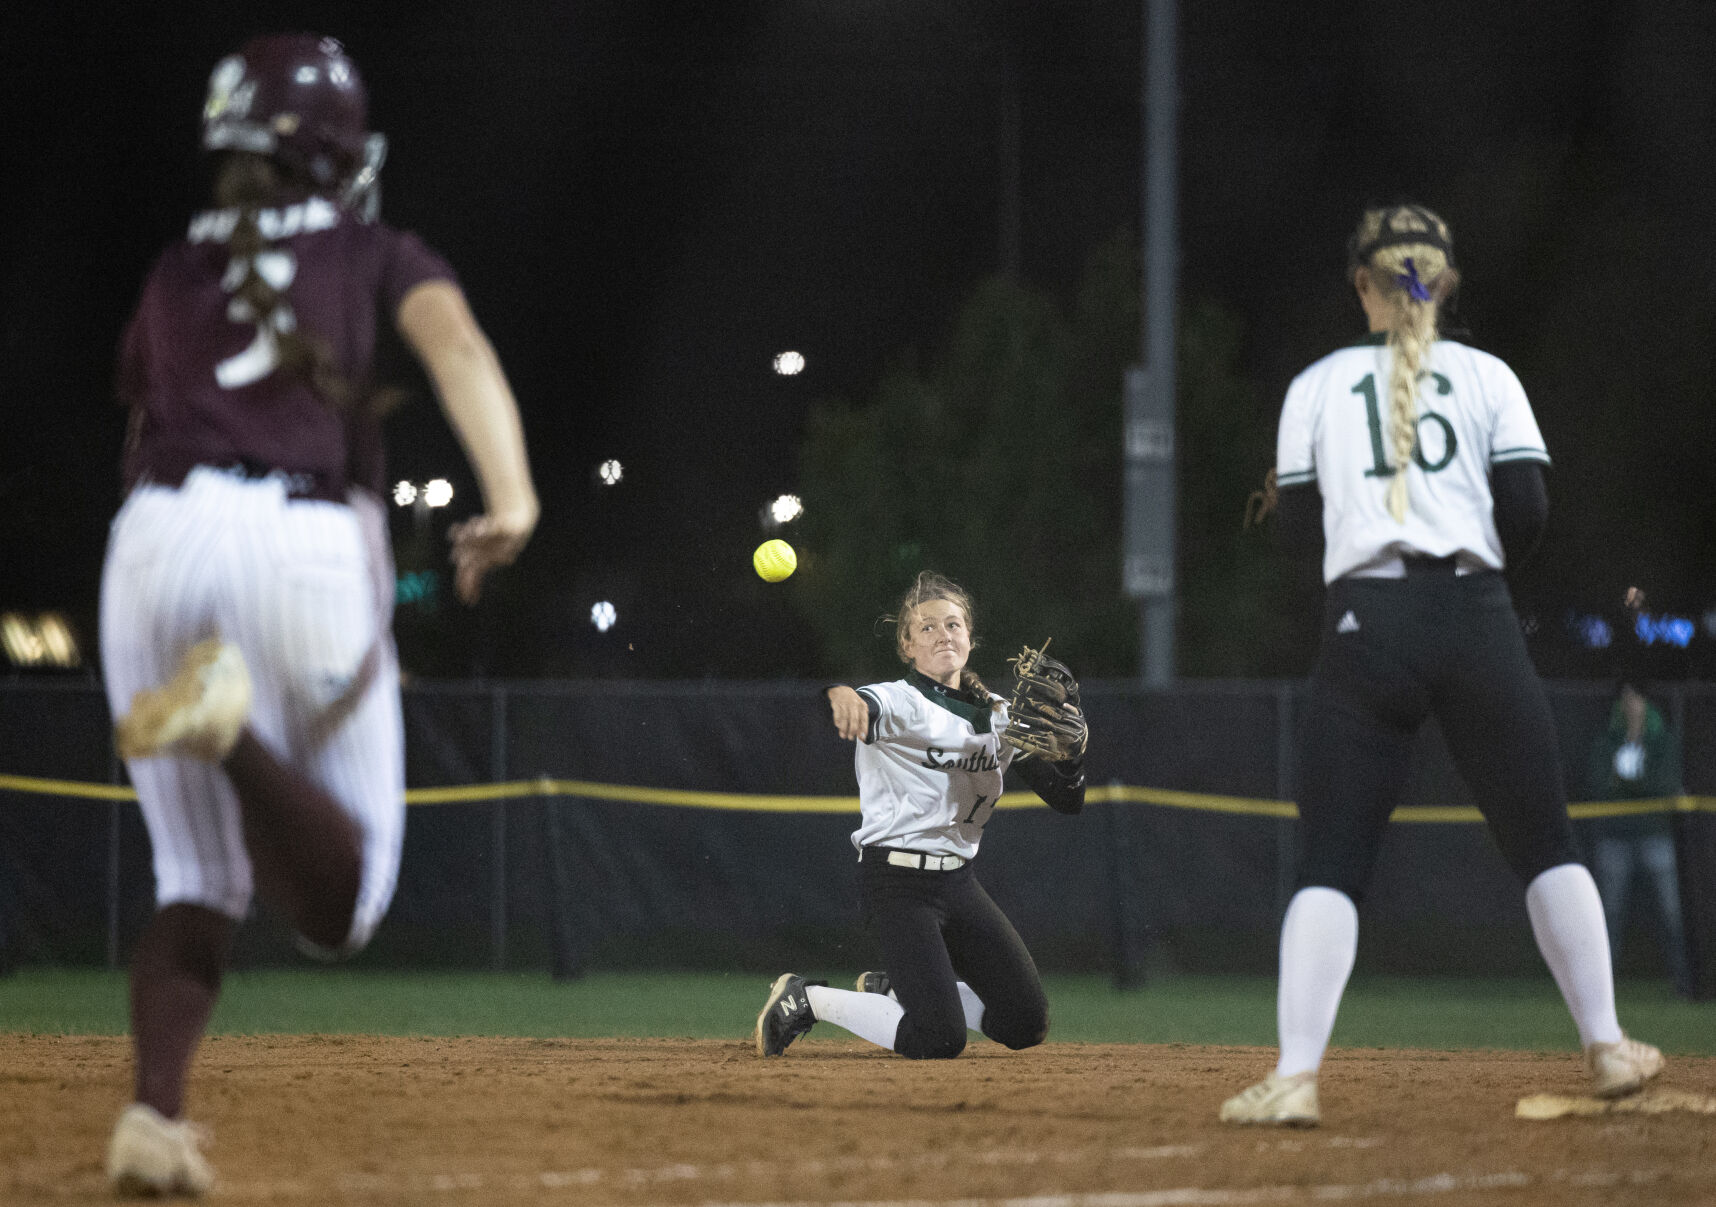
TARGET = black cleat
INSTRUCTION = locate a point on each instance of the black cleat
(875, 982)
(786, 1015)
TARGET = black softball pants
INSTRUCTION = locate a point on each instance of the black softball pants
(935, 929)
(1432, 643)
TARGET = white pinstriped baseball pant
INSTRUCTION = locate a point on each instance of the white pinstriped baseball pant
(303, 588)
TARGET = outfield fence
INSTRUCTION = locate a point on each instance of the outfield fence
(568, 825)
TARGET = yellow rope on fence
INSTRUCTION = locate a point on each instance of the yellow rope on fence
(763, 803)
(41, 787)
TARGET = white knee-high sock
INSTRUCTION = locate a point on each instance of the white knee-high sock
(1567, 920)
(870, 1016)
(1319, 941)
(972, 1005)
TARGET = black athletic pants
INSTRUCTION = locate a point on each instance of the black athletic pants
(1394, 652)
(937, 928)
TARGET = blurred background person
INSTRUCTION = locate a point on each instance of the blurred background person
(1637, 757)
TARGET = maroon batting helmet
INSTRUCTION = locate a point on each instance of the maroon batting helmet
(296, 97)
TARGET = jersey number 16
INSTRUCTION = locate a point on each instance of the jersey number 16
(1382, 469)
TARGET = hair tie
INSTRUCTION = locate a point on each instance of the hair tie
(1409, 281)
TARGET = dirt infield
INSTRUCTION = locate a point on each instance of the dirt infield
(351, 1119)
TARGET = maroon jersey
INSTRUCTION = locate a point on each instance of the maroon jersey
(199, 370)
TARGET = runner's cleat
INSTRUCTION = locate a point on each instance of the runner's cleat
(153, 1155)
(1280, 1101)
(198, 712)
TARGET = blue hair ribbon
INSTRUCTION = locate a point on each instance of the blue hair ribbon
(1409, 281)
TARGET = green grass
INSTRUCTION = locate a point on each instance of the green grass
(1446, 1013)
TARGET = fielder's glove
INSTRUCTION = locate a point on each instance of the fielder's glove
(1043, 716)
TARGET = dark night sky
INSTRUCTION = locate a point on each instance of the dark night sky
(647, 201)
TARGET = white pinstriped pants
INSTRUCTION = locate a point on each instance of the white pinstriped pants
(303, 588)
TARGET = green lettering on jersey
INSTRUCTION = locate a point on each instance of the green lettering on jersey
(1381, 468)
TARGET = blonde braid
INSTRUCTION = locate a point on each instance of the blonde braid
(1414, 278)
(1410, 337)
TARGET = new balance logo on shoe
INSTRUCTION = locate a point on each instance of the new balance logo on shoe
(778, 1028)
(1349, 624)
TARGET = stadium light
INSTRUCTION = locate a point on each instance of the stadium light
(603, 616)
(789, 364)
(782, 509)
(43, 640)
(437, 492)
(609, 473)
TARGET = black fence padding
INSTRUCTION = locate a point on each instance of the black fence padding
(54, 854)
(1193, 738)
(1695, 844)
(729, 737)
(588, 883)
(443, 905)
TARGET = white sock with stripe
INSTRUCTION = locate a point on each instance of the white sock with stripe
(1319, 941)
(872, 1016)
(1567, 921)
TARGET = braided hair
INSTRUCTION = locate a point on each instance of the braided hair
(1408, 255)
(249, 183)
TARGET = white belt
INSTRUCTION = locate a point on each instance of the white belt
(929, 863)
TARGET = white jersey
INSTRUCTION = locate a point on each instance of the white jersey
(929, 769)
(1472, 414)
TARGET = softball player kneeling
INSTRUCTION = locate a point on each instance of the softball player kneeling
(930, 761)
(1420, 461)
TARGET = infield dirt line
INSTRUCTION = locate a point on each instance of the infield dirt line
(1196, 1196)
(635, 1176)
(1184, 1196)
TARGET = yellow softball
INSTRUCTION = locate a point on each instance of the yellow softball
(774, 560)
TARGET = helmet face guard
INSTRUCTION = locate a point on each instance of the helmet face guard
(362, 193)
(298, 98)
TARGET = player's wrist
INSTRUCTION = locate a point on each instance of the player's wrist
(519, 514)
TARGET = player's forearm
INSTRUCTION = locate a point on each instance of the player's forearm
(480, 408)
(1299, 520)
(1521, 508)
(851, 714)
(1061, 785)
(436, 321)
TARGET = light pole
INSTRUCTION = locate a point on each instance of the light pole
(1149, 546)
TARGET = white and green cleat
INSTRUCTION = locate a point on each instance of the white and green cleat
(1621, 1068)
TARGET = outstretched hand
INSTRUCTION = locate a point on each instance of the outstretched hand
(486, 542)
(851, 714)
